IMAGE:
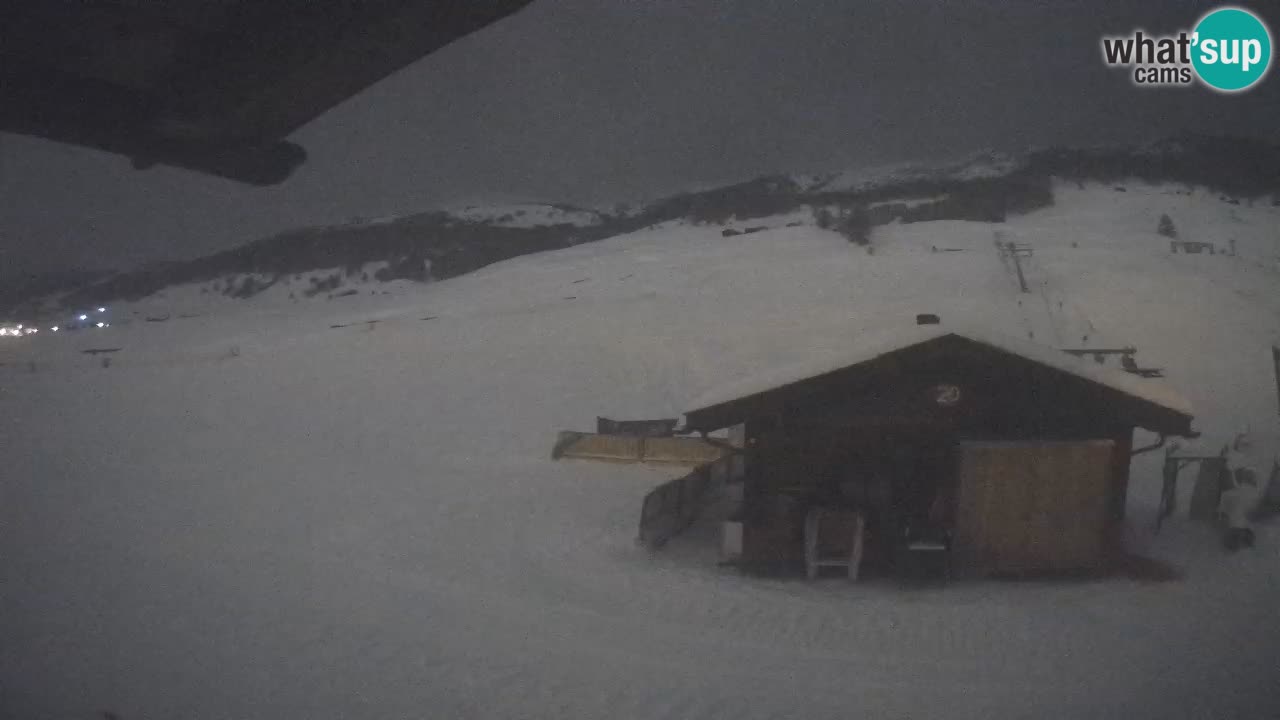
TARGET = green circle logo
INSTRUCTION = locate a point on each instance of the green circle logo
(1231, 49)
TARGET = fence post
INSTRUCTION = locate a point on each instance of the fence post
(1275, 359)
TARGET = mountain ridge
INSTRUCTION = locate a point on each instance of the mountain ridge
(444, 243)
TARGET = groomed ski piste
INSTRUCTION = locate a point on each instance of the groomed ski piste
(252, 513)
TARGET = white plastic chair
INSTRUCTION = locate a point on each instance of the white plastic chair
(813, 557)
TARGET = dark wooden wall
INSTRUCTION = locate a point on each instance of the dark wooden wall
(794, 454)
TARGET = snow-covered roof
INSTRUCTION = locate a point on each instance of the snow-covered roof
(865, 347)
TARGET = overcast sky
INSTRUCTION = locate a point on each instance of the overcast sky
(597, 101)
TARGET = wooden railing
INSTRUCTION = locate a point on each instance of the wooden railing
(673, 506)
(689, 451)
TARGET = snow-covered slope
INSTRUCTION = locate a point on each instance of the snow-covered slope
(527, 215)
(510, 215)
(251, 513)
(983, 165)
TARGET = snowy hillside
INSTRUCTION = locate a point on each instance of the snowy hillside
(984, 165)
(511, 215)
(442, 244)
(276, 509)
(527, 215)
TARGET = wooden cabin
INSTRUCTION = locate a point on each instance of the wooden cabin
(1017, 453)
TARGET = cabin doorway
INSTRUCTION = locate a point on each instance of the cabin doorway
(901, 480)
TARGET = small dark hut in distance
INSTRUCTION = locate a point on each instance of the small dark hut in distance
(1018, 452)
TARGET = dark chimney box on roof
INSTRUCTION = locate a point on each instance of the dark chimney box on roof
(927, 319)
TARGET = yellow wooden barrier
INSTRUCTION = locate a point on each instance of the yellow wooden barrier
(625, 448)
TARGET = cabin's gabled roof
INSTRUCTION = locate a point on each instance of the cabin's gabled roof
(1156, 407)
